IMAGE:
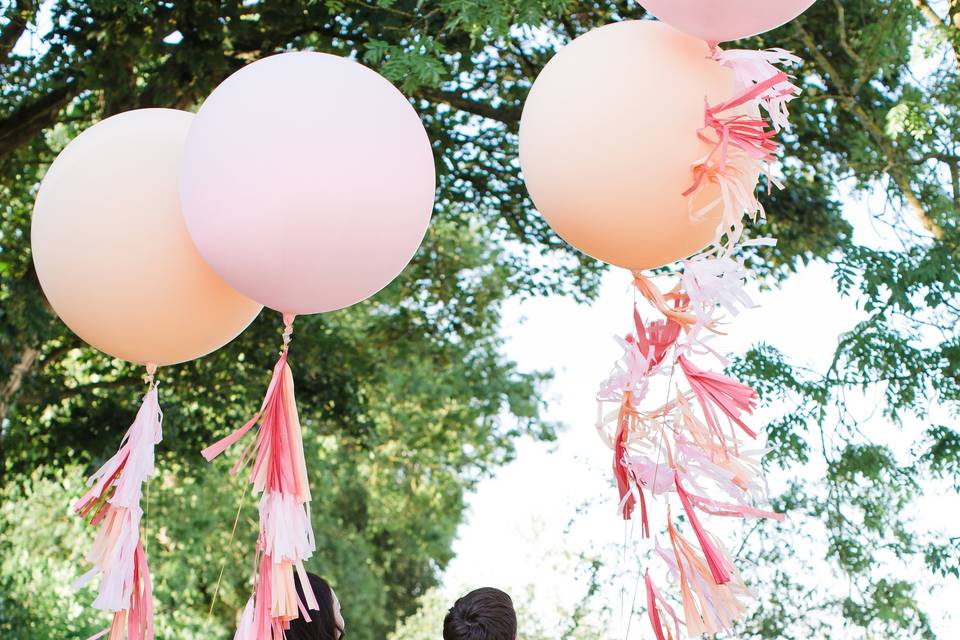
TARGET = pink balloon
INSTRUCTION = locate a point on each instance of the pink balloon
(723, 20)
(307, 182)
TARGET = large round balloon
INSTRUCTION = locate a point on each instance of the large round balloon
(307, 181)
(723, 20)
(112, 252)
(608, 142)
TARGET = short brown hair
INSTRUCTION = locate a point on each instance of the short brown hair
(482, 614)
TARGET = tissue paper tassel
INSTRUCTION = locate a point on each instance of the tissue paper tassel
(113, 505)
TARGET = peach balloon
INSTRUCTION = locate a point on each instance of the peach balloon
(112, 251)
(723, 20)
(608, 141)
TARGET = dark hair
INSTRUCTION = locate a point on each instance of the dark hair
(323, 623)
(482, 614)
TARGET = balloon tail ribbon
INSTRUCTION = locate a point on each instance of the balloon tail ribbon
(279, 474)
(112, 504)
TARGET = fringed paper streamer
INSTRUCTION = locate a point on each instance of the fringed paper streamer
(112, 504)
(743, 146)
(688, 441)
(644, 351)
(716, 391)
(656, 607)
(626, 481)
(750, 134)
(708, 607)
(655, 339)
(715, 284)
(719, 566)
(737, 198)
(753, 67)
(279, 474)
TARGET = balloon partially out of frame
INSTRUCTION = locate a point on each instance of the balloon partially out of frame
(608, 142)
(724, 20)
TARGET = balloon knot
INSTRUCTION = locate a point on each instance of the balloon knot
(148, 377)
(287, 329)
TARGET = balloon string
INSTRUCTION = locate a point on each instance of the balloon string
(149, 379)
(236, 521)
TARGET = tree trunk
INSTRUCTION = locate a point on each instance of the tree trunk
(8, 394)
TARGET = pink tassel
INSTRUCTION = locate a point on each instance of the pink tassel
(656, 605)
(719, 566)
(709, 608)
(113, 505)
(715, 390)
(279, 473)
(627, 483)
(747, 133)
(752, 67)
(655, 338)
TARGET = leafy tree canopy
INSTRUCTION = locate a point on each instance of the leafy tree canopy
(407, 399)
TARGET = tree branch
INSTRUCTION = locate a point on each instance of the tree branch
(507, 115)
(17, 15)
(934, 18)
(9, 391)
(30, 119)
(895, 159)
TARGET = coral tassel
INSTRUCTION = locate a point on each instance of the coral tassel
(627, 483)
(655, 606)
(716, 561)
(715, 390)
(279, 473)
(656, 338)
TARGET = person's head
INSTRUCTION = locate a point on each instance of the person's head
(327, 622)
(482, 614)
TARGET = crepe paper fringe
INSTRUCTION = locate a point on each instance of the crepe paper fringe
(754, 67)
(736, 182)
(750, 134)
(743, 146)
(708, 607)
(717, 391)
(683, 447)
(656, 607)
(279, 473)
(112, 504)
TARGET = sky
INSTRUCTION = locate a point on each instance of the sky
(518, 524)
